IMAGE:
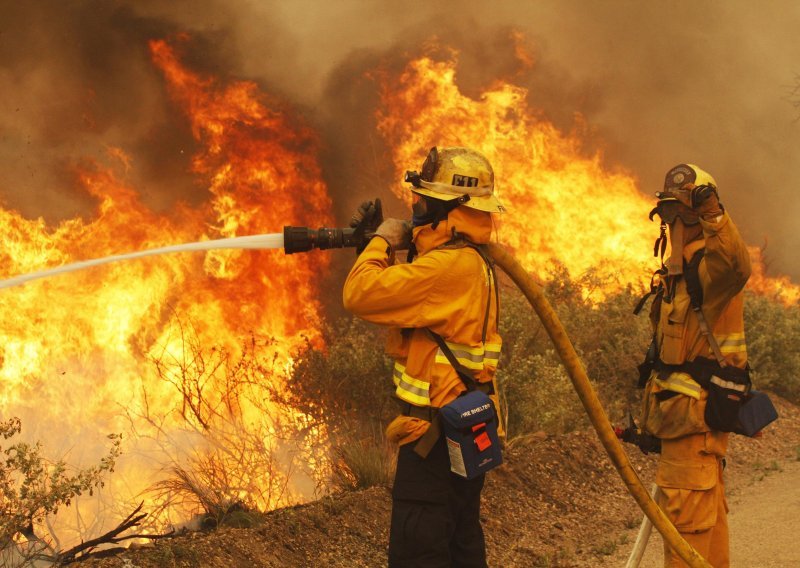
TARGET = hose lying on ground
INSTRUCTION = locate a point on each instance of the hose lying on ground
(580, 381)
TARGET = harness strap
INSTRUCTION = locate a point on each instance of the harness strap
(695, 289)
(427, 413)
(655, 290)
(492, 283)
(712, 341)
(704, 371)
(424, 445)
(463, 373)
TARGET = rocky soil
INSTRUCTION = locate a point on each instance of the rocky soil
(557, 501)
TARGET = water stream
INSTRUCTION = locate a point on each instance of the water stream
(267, 241)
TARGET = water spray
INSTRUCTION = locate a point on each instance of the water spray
(304, 239)
(292, 240)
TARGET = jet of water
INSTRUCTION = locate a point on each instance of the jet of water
(268, 241)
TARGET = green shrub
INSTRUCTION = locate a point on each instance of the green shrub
(346, 383)
(773, 334)
(33, 487)
(606, 335)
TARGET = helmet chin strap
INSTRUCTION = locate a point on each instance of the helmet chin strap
(675, 261)
(434, 211)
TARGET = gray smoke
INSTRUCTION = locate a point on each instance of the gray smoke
(659, 84)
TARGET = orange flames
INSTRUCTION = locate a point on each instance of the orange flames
(78, 350)
(563, 205)
(778, 287)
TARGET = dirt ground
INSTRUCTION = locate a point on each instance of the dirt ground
(764, 522)
(556, 502)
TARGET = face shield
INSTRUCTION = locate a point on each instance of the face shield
(677, 217)
(670, 209)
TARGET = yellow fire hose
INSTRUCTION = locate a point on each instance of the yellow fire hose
(580, 381)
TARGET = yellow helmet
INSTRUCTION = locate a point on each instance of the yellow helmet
(669, 206)
(457, 173)
(682, 174)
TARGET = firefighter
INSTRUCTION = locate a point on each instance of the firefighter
(448, 287)
(697, 317)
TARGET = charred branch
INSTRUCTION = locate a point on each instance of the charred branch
(88, 547)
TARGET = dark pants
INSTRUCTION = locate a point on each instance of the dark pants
(435, 514)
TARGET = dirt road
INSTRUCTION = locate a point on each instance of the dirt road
(764, 522)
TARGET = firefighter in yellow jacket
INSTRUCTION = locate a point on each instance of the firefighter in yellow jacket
(450, 289)
(698, 325)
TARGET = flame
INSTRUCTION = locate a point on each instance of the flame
(78, 351)
(564, 205)
(780, 288)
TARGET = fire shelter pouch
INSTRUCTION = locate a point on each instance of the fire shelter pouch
(755, 414)
(470, 430)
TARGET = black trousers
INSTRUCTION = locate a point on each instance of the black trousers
(435, 514)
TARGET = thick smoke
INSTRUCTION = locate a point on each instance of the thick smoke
(658, 83)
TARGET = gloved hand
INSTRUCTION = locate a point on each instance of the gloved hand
(703, 199)
(367, 217)
(396, 232)
(365, 221)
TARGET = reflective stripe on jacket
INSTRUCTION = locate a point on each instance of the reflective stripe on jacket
(445, 289)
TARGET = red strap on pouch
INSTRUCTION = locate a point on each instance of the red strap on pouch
(483, 441)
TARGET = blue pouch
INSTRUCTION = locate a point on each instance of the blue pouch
(470, 430)
(755, 414)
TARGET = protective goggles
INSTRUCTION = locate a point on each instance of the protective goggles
(670, 209)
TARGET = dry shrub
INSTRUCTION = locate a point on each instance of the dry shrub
(231, 445)
(362, 461)
(346, 390)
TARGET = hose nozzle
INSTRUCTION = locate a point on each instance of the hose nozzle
(303, 239)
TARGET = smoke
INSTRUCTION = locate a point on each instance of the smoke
(657, 83)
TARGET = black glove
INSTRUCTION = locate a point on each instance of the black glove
(701, 194)
(647, 443)
(366, 220)
(632, 434)
(368, 216)
(705, 200)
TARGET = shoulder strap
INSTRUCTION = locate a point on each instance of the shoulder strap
(694, 287)
(481, 250)
(691, 271)
(463, 373)
(656, 289)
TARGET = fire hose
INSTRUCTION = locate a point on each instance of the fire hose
(303, 239)
(577, 374)
(597, 415)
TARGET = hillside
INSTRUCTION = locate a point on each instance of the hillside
(556, 502)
